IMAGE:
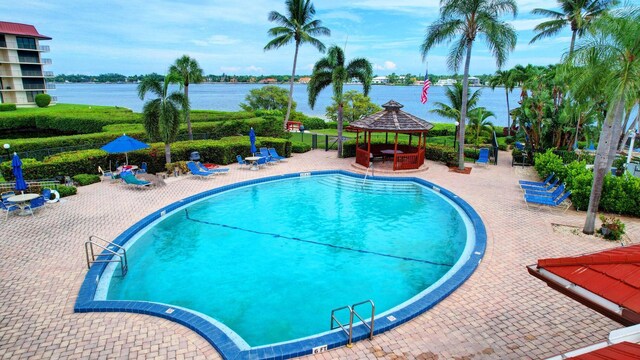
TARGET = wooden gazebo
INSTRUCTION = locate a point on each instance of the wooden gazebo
(392, 120)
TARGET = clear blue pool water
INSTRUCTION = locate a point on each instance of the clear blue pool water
(270, 261)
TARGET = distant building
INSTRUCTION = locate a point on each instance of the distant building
(268, 81)
(446, 82)
(380, 80)
(304, 80)
(474, 81)
(21, 67)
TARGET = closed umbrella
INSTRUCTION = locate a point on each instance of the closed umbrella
(16, 164)
(252, 138)
(124, 144)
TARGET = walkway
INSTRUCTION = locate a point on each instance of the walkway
(501, 312)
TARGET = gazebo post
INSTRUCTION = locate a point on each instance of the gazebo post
(395, 152)
(369, 150)
(386, 138)
(357, 138)
(410, 135)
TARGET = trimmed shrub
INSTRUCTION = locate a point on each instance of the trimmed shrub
(43, 100)
(548, 162)
(86, 179)
(299, 147)
(8, 107)
(313, 123)
(65, 191)
(442, 129)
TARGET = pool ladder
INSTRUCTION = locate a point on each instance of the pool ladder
(352, 313)
(117, 252)
(367, 173)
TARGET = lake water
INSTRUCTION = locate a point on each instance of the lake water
(227, 97)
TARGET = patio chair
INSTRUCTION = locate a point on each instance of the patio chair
(8, 208)
(559, 202)
(130, 179)
(552, 194)
(274, 154)
(195, 171)
(546, 181)
(262, 162)
(241, 162)
(34, 204)
(143, 168)
(7, 194)
(218, 170)
(540, 188)
(265, 154)
(483, 157)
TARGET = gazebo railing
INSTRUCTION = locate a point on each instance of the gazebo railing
(362, 157)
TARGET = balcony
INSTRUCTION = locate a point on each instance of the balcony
(26, 73)
(14, 46)
(24, 60)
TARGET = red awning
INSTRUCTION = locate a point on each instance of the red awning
(622, 351)
(21, 29)
(607, 281)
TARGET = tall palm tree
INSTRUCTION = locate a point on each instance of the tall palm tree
(611, 53)
(331, 70)
(162, 115)
(504, 78)
(479, 125)
(467, 19)
(578, 14)
(186, 71)
(453, 109)
(298, 26)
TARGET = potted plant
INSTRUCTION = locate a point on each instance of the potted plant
(612, 228)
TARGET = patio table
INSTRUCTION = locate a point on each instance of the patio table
(254, 161)
(22, 201)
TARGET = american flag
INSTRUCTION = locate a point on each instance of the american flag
(425, 88)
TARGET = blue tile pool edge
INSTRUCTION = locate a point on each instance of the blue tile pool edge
(221, 341)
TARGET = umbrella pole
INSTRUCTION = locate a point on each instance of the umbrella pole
(126, 156)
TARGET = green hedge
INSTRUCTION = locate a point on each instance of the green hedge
(86, 179)
(43, 100)
(620, 194)
(8, 107)
(221, 151)
(300, 147)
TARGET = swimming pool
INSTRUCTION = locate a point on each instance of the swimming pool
(265, 262)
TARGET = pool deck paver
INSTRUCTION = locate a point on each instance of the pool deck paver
(501, 312)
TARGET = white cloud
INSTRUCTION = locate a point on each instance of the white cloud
(388, 65)
(254, 69)
(526, 24)
(215, 40)
(230, 68)
(342, 15)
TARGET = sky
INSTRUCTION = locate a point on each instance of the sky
(139, 37)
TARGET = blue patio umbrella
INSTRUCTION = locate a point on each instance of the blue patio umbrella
(124, 144)
(252, 138)
(16, 164)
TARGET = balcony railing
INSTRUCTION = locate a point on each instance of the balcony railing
(24, 60)
(26, 73)
(46, 61)
(14, 45)
(32, 73)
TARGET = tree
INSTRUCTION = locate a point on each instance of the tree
(504, 78)
(298, 27)
(186, 71)
(269, 97)
(467, 19)
(356, 105)
(610, 53)
(578, 14)
(453, 110)
(393, 78)
(479, 125)
(408, 80)
(162, 115)
(331, 70)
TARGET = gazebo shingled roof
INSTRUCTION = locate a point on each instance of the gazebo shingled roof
(391, 119)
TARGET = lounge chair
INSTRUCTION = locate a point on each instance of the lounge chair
(552, 194)
(7, 208)
(274, 154)
(196, 171)
(483, 157)
(265, 154)
(130, 179)
(241, 162)
(261, 162)
(540, 188)
(561, 200)
(546, 181)
(218, 170)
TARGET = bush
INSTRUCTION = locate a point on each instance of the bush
(548, 162)
(313, 123)
(8, 107)
(43, 100)
(334, 124)
(612, 228)
(442, 129)
(86, 179)
(299, 147)
(65, 191)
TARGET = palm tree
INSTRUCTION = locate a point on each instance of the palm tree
(454, 108)
(331, 70)
(186, 71)
(611, 53)
(298, 27)
(162, 115)
(504, 78)
(479, 125)
(578, 14)
(467, 19)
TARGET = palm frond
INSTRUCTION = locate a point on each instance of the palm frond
(548, 29)
(549, 13)
(456, 53)
(148, 84)
(279, 42)
(319, 81)
(500, 38)
(442, 30)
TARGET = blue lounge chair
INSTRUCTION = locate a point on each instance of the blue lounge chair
(552, 203)
(274, 154)
(546, 181)
(540, 188)
(143, 168)
(552, 194)
(8, 208)
(261, 162)
(219, 170)
(130, 179)
(241, 162)
(483, 157)
(265, 154)
(195, 170)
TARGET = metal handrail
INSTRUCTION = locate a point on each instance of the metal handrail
(92, 258)
(373, 312)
